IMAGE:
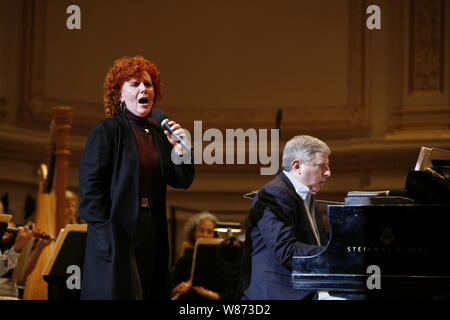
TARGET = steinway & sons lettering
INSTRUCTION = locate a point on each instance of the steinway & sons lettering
(390, 249)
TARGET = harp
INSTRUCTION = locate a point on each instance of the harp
(52, 185)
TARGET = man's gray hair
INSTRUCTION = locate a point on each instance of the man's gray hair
(302, 148)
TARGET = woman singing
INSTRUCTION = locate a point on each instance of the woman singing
(124, 172)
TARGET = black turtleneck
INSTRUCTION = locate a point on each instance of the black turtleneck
(150, 178)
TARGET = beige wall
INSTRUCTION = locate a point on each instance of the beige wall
(375, 96)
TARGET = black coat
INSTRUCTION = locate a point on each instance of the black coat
(277, 229)
(109, 190)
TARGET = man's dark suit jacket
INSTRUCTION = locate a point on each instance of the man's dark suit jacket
(109, 189)
(277, 229)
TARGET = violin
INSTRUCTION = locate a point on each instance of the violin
(36, 234)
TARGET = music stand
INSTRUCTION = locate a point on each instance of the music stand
(427, 155)
(205, 269)
(4, 219)
(3, 227)
(68, 250)
(216, 266)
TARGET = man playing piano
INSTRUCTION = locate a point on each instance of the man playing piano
(284, 222)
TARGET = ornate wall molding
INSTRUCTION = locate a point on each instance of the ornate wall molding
(426, 47)
(3, 110)
(422, 117)
(425, 104)
(33, 60)
(348, 120)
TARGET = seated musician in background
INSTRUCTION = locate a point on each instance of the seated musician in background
(9, 257)
(284, 222)
(201, 225)
(12, 245)
(71, 209)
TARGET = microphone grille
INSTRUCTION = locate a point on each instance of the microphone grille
(158, 115)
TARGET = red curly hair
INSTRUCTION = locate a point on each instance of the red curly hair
(124, 69)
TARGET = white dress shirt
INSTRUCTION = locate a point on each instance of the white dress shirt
(305, 193)
(302, 190)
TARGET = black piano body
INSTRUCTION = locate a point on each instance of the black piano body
(407, 246)
(408, 243)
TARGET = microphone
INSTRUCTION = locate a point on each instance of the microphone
(160, 117)
(278, 118)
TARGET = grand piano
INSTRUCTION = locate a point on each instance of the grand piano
(387, 246)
